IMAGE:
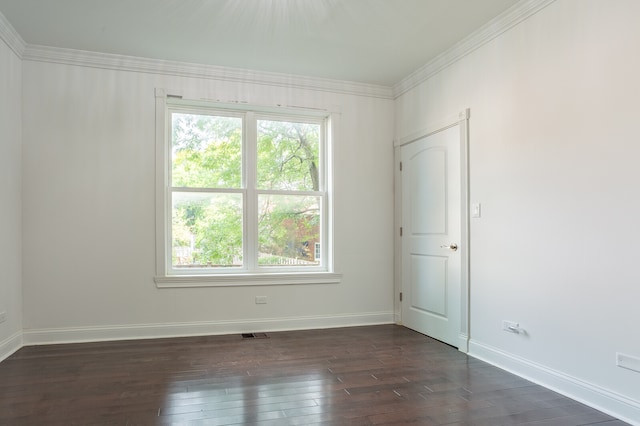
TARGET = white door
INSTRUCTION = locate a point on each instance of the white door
(431, 237)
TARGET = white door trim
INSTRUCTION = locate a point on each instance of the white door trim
(461, 119)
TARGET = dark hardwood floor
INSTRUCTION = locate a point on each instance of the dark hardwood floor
(350, 376)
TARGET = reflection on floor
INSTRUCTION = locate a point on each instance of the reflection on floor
(350, 376)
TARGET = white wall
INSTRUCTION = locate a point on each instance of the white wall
(553, 153)
(554, 149)
(89, 232)
(10, 204)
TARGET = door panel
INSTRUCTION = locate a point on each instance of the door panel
(428, 274)
(431, 269)
(429, 192)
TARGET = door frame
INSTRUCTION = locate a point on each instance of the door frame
(461, 119)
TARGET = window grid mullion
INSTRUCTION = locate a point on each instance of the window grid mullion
(207, 190)
(285, 192)
(324, 187)
(250, 161)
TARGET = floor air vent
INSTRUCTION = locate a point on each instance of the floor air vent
(255, 336)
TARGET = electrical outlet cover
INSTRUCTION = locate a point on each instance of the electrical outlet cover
(511, 327)
(629, 362)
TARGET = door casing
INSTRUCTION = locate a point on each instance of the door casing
(461, 119)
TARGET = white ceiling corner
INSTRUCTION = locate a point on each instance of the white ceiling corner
(473, 41)
(11, 37)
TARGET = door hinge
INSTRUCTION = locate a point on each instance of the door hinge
(401, 231)
(401, 166)
(401, 296)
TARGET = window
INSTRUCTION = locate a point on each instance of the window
(244, 195)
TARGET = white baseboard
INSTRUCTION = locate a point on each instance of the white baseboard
(9, 345)
(609, 402)
(152, 331)
(463, 342)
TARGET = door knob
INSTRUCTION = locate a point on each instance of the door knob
(452, 246)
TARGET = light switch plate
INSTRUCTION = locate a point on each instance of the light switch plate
(476, 210)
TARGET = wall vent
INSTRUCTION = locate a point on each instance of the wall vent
(254, 336)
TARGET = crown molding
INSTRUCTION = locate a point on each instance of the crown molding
(502, 23)
(182, 69)
(518, 13)
(10, 36)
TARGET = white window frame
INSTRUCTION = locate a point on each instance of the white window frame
(250, 273)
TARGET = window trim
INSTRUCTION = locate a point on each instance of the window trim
(164, 278)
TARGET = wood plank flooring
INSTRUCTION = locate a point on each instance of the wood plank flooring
(377, 375)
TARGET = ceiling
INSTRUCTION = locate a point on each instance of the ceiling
(367, 41)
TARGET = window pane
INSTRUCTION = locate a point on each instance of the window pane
(288, 230)
(206, 230)
(288, 155)
(206, 151)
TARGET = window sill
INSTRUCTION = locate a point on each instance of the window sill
(236, 280)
